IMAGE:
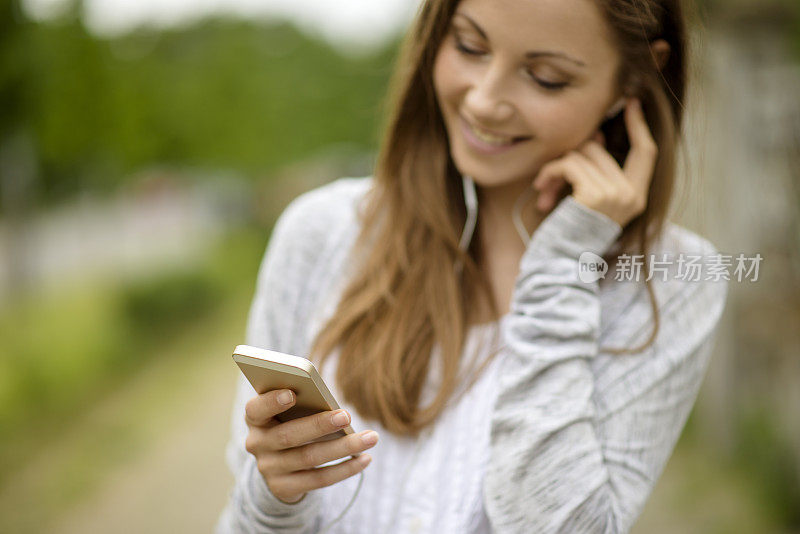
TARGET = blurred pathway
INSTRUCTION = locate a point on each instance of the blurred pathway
(180, 483)
(150, 457)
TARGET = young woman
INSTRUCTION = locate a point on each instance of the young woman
(445, 298)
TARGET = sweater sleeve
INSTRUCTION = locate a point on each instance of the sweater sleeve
(251, 506)
(568, 455)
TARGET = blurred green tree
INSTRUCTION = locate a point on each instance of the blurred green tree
(224, 93)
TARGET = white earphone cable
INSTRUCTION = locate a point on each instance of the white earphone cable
(515, 214)
(471, 202)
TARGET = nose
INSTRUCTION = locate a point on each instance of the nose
(486, 99)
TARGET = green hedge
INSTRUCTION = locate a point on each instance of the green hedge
(59, 352)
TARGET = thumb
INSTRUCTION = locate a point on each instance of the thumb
(549, 184)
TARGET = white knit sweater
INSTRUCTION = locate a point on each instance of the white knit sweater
(557, 435)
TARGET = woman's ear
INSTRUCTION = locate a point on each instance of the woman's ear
(660, 50)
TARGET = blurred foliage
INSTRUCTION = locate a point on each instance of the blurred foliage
(796, 33)
(53, 349)
(222, 94)
(229, 95)
(12, 66)
(764, 452)
(167, 301)
(60, 352)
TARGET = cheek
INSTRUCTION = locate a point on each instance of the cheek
(560, 122)
(448, 80)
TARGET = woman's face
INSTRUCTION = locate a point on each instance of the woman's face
(522, 82)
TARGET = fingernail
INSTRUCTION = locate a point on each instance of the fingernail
(364, 459)
(340, 419)
(370, 438)
(285, 397)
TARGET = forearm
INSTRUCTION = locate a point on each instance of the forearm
(578, 443)
(546, 383)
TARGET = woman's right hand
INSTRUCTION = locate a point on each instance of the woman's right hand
(284, 456)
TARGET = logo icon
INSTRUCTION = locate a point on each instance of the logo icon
(591, 267)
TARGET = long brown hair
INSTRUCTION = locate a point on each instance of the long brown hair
(405, 297)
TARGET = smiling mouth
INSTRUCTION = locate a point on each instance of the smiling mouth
(492, 138)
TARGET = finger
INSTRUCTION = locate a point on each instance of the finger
(314, 454)
(641, 159)
(548, 174)
(599, 138)
(548, 199)
(548, 194)
(598, 155)
(591, 174)
(595, 186)
(262, 408)
(615, 184)
(301, 482)
(256, 441)
(568, 169)
(550, 182)
(304, 429)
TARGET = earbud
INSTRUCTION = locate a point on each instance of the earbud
(614, 110)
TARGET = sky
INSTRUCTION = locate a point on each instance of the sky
(344, 22)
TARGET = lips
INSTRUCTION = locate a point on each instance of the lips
(487, 142)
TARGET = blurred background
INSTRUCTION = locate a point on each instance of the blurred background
(146, 148)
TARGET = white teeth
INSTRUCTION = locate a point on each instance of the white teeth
(490, 138)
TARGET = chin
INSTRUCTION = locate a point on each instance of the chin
(496, 181)
(493, 171)
(492, 176)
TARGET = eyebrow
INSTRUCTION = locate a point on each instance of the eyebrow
(530, 54)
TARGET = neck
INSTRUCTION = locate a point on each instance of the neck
(496, 229)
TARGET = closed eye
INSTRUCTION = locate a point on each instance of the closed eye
(550, 86)
(460, 46)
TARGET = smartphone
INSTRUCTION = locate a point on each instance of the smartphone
(267, 370)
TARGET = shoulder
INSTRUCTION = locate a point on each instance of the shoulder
(690, 296)
(312, 235)
(301, 257)
(311, 226)
(693, 293)
(314, 216)
(690, 310)
(694, 266)
(679, 261)
(676, 239)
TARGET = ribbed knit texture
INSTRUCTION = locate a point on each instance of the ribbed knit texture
(557, 435)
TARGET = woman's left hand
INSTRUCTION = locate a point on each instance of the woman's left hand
(598, 182)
